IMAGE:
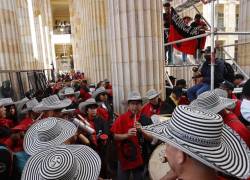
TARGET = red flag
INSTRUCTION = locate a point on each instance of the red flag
(188, 47)
(179, 30)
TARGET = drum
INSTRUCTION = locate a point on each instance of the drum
(157, 166)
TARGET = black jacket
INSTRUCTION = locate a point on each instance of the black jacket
(168, 106)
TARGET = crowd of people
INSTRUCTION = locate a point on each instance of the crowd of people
(75, 134)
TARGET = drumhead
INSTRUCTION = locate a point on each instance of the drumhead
(158, 169)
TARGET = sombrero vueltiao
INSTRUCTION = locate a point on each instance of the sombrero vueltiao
(210, 101)
(51, 103)
(46, 133)
(69, 91)
(63, 162)
(99, 91)
(204, 136)
(152, 93)
(83, 105)
(29, 105)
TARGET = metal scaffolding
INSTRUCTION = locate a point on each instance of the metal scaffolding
(212, 33)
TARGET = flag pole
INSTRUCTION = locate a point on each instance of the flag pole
(212, 46)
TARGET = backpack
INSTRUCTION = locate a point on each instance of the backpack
(228, 72)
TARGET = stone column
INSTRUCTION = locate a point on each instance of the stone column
(99, 47)
(230, 24)
(244, 25)
(136, 45)
(10, 58)
(9, 36)
(89, 38)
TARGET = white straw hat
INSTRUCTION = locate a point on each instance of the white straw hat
(210, 101)
(99, 91)
(152, 93)
(69, 91)
(63, 162)
(46, 133)
(6, 102)
(134, 96)
(29, 105)
(51, 103)
(90, 101)
(203, 136)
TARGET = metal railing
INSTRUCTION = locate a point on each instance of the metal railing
(16, 84)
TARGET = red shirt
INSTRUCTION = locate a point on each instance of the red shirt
(232, 121)
(148, 110)
(236, 110)
(103, 113)
(84, 95)
(183, 101)
(92, 125)
(7, 123)
(121, 126)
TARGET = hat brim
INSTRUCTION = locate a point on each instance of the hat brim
(95, 94)
(153, 96)
(77, 94)
(41, 107)
(231, 157)
(33, 145)
(82, 106)
(88, 160)
(224, 103)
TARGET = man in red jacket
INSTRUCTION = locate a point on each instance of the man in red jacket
(154, 104)
(130, 140)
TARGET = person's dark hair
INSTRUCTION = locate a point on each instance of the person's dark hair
(239, 76)
(197, 16)
(167, 4)
(89, 106)
(99, 84)
(181, 82)
(140, 101)
(246, 89)
(228, 85)
(98, 99)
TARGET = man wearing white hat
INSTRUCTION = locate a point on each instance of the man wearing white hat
(154, 104)
(52, 106)
(69, 92)
(199, 145)
(217, 102)
(132, 146)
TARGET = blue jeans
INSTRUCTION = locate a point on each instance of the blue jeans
(196, 90)
(138, 173)
(184, 57)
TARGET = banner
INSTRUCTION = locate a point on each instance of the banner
(179, 30)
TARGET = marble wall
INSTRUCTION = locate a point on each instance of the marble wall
(16, 43)
(89, 38)
(136, 40)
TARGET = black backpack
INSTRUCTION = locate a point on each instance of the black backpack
(228, 72)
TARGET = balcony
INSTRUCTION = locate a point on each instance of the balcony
(62, 29)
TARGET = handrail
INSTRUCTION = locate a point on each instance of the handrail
(235, 63)
(7, 71)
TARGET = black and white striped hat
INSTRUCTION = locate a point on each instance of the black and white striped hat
(210, 101)
(46, 133)
(51, 103)
(63, 162)
(203, 136)
(28, 106)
